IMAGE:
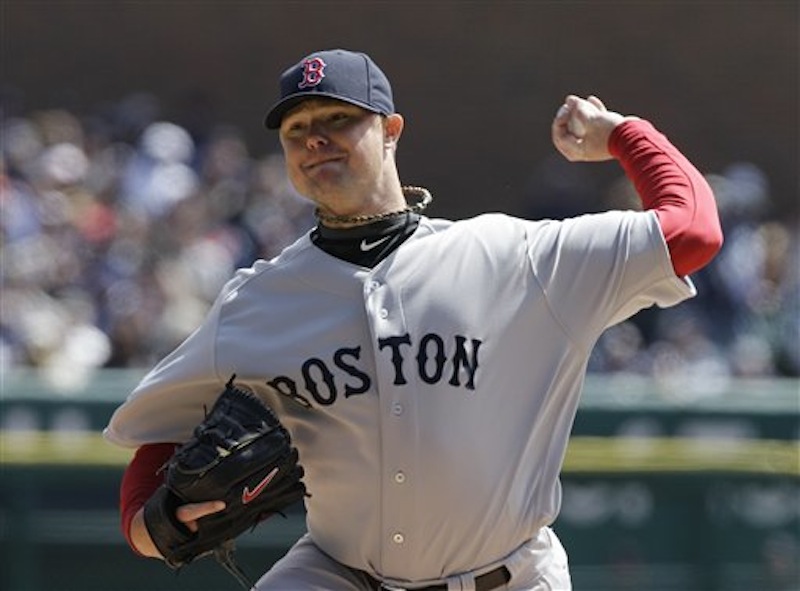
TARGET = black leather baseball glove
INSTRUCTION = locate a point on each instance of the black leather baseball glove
(240, 454)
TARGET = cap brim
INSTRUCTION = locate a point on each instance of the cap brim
(279, 109)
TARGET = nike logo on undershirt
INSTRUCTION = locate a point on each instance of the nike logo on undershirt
(250, 495)
(367, 246)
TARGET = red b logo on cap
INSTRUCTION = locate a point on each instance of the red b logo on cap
(313, 72)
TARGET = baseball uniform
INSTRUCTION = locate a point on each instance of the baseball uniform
(428, 370)
(430, 397)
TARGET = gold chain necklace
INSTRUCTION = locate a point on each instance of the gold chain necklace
(421, 193)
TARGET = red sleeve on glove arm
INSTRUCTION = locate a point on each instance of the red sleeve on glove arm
(141, 479)
(671, 186)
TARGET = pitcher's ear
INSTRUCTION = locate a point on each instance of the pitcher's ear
(393, 128)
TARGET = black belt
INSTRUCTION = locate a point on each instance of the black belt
(485, 582)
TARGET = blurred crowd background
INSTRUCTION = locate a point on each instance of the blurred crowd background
(119, 227)
(136, 177)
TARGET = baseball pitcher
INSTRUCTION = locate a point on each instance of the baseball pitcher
(419, 376)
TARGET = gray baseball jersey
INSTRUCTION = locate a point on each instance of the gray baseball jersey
(431, 398)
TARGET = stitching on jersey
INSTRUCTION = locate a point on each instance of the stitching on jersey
(545, 295)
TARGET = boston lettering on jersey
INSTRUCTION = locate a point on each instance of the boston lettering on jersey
(432, 357)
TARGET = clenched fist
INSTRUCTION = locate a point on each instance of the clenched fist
(581, 129)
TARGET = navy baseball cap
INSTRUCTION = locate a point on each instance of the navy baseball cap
(337, 73)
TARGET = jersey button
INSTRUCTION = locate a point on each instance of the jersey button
(399, 477)
(397, 409)
(398, 538)
(384, 313)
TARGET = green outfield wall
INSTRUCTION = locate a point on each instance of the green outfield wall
(665, 489)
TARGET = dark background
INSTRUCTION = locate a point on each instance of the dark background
(478, 82)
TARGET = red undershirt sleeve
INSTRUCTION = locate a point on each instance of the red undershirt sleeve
(674, 189)
(141, 479)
